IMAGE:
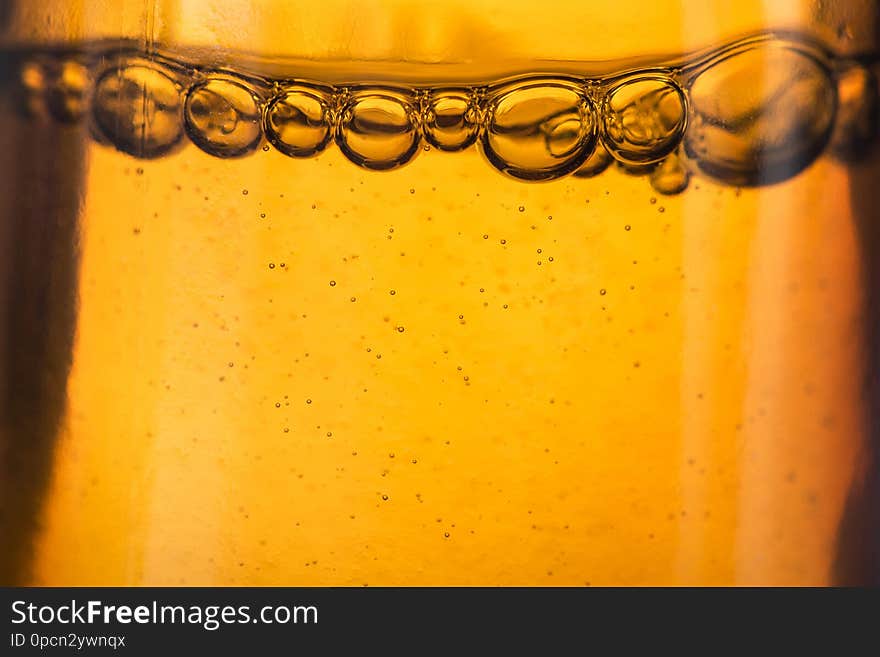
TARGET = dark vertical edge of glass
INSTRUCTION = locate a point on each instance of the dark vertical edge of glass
(857, 561)
(41, 174)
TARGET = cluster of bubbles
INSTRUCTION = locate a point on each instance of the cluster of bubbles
(755, 112)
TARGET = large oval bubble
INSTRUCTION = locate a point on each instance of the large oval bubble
(223, 117)
(643, 119)
(137, 107)
(378, 130)
(539, 130)
(298, 122)
(760, 114)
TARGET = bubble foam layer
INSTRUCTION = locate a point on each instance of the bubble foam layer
(754, 112)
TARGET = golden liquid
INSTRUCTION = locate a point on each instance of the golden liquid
(274, 370)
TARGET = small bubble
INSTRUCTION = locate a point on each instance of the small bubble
(139, 171)
(522, 208)
(262, 215)
(400, 329)
(392, 292)
(504, 241)
(332, 283)
(451, 121)
(266, 148)
(271, 265)
(445, 534)
(64, 89)
(286, 430)
(244, 192)
(353, 299)
(856, 125)
(385, 497)
(602, 291)
(485, 237)
(627, 227)
(277, 404)
(329, 434)
(653, 200)
(661, 209)
(308, 401)
(670, 177)
(412, 190)
(539, 251)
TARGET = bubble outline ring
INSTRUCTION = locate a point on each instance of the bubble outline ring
(116, 68)
(395, 95)
(680, 130)
(473, 106)
(587, 146)
(203, 143)
(326, 102)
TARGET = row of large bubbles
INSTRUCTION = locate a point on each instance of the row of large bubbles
(756, 112)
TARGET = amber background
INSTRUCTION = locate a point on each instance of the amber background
(704, 421)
